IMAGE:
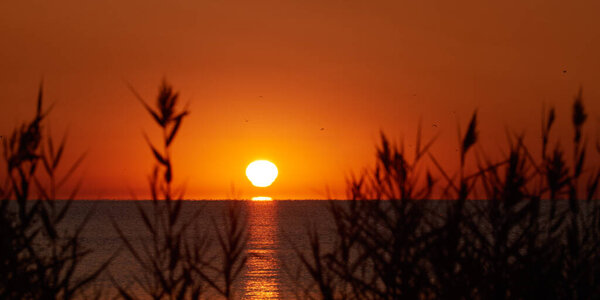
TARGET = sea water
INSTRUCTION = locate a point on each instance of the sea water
(276, 230)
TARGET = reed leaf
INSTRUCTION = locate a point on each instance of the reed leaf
(470, 137)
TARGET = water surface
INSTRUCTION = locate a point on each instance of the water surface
(275, 229)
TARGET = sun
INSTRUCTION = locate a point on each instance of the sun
(261, 173)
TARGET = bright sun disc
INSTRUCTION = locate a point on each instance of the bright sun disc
(261, 173)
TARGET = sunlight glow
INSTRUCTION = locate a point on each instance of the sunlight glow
(261, 173)
(262, 198)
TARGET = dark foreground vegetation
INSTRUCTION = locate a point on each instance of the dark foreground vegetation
(536, 235)
(178, 262)
(38, 260)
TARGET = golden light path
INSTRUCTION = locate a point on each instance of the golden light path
(261, 280)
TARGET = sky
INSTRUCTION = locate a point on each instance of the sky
(308, 85)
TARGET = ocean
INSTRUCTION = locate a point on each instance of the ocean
(276, 231)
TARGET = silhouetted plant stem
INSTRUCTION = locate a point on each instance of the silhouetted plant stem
(177, 261)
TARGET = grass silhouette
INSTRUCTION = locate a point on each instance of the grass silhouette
(535, 236)
(38, 260)
(179, 262)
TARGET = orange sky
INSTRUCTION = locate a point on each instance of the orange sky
(290, 68)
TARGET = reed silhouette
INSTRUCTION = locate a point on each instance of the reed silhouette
(39, 259)
(536, 235)
(179, 261)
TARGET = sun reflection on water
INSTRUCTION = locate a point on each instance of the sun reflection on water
(261, 280)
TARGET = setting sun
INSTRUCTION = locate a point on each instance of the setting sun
(261, 173)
